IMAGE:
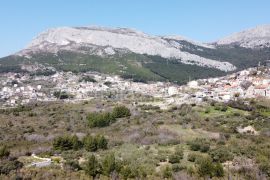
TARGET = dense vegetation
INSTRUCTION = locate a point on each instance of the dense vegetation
(103, 119)
(139, 68)
(8, 163)
(143, 142)
(241, 57)
(90, 143)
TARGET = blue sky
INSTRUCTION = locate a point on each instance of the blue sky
(203, 20)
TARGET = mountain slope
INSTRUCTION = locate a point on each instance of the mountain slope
(142, 57)
(67, 38)
(258, 37)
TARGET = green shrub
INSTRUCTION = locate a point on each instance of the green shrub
(162, 158)
(207, 110)
(221, 154)
(90, 143)
(72, 165)
(179, 152)
(184, 109)
(108, 164)
(126, 172)
(217, 107)
(199, 145)
(93, 143)
(100, 119)
(6, 166)
(4, 152)
(102, 142)
(264, 165)
(218, 170)
(92, 167)
(176, 156)
(224, 108)
(192, 157)
(167, 172)
(173, 158)
(103, 119)
(64, 143)
(205, 167)
(120, 112)
(76, 143)
(177, 167)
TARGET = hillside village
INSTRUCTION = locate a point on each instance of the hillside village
(23, 88)
(250, 83)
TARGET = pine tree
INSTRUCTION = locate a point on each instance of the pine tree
(90, 143)
(109, 164)
(92, 167)
(101, 142)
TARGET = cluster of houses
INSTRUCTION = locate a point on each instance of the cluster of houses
(250, 83)
(71, 83)
(19, 89)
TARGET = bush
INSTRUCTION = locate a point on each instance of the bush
(126, 172)
(192, 157)
(92, 167)
(62, 95)
(177, 167)
(105, 119)
(207, 110)
(87, 79)
(218, 170)
(206, 168)
(108, 83)
(108, 164)
(76, 143)
(179, 152)
(93, 143)
(6, 166)
(167, 172)
(90, 143)
(100, 119)
(224, 108)
(64, 143)
(177, 156)
(264, 165)
(221, 154)
(72, 165)
(120, 112)
(102, 142)
(185, 109)
(173, 158)
(4, 152)
(162, 158)
(199, 145)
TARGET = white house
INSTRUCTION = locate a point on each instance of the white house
(193, 84)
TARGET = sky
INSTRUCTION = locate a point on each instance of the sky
(201, 20)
